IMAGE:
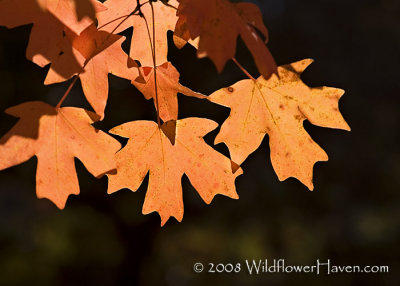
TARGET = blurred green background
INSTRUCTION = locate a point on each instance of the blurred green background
(352, 217)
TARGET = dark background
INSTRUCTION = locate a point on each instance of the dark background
(351, 218)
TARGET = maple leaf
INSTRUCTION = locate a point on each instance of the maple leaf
(278, 107)
(168, 87)
(182, 35)
(218, 23)
(165, 19)
(150, 150)
(101, 54)
(55, 137)
(77, 15)
(50, 19)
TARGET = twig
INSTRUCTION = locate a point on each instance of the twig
(243, 69)
(153, 53)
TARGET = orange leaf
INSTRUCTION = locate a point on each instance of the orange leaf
(278, 107)
(218, 23)
(165, 18)
(56, 137)
(77, 15)
(182, 34)
(168, 87)
(50, 19)
(150, 150)
(103, 53)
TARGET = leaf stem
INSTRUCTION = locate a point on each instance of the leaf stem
(243, 69)
(168, 5)
(67, 92)
(112, 21)
(153, 54)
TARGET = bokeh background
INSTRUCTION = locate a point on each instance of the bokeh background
(352, 217)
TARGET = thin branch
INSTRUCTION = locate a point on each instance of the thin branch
(112, 21)
(169, 5)
(153, 53)
(243, 69)
(67, 92)
(148, 33)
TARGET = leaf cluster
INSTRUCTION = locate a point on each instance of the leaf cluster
(80, 40)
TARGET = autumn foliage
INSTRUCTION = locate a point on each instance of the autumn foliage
(80, 39)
